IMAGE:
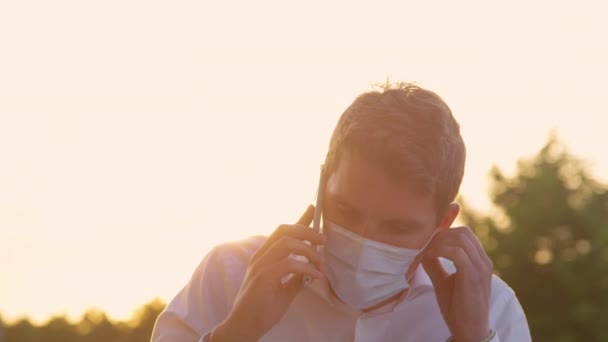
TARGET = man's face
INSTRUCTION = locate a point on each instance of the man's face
(361, 197)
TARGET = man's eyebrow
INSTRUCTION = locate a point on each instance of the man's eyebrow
(402, 223)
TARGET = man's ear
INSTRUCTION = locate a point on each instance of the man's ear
(449, 216)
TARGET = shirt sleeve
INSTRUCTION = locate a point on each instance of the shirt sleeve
(206, 300)
(507, 318)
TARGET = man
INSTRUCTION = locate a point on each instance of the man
(387, 265)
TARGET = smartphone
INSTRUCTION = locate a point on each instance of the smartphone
(316, 222)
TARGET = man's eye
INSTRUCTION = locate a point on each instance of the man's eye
(347, 213)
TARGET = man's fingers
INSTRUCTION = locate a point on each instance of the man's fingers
(308, 215)
(288, 245)
(290, 265)
(483, 256)
(455, 254)
(293, 285)
(434, 269)
(459, 237)
(464, 238)
(299, 232)
(296, 231)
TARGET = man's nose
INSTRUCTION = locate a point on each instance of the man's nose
(366, 229)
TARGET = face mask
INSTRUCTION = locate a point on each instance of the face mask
(363, 272)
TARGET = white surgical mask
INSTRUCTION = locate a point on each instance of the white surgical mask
(364, 272)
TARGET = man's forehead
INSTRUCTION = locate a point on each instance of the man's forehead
(367, 188)
(355, 173)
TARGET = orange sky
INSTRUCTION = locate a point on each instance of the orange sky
(135, 135)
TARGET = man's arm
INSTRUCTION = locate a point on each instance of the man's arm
(207, 298)
(507, 317)
(243, 290)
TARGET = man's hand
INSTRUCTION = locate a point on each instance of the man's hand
(464, 296)
(263, 298)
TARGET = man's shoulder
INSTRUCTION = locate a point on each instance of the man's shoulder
(222, 270)
(235, 252)
(501, 293)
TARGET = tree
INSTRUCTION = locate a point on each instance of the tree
(94, 326)
(548, 239)
(2, 328)
(144, 319)
(58, 329)
(22, 330)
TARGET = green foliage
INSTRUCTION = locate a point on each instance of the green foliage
(94, 326)
(548, 239)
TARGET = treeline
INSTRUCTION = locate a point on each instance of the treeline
(547, 236)
(94, 326)
(548, 239)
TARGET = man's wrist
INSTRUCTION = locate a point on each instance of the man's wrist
(227, 332)
(219, 334)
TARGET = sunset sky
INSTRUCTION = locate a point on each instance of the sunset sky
(136, 135)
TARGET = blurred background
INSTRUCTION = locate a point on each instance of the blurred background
(135, 135)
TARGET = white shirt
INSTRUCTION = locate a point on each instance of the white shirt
(316, 314)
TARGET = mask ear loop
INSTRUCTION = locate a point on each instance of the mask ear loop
(412, 272)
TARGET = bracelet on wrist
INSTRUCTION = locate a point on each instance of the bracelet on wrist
(487, 339)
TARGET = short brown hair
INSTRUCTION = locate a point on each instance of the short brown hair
(410, 132)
